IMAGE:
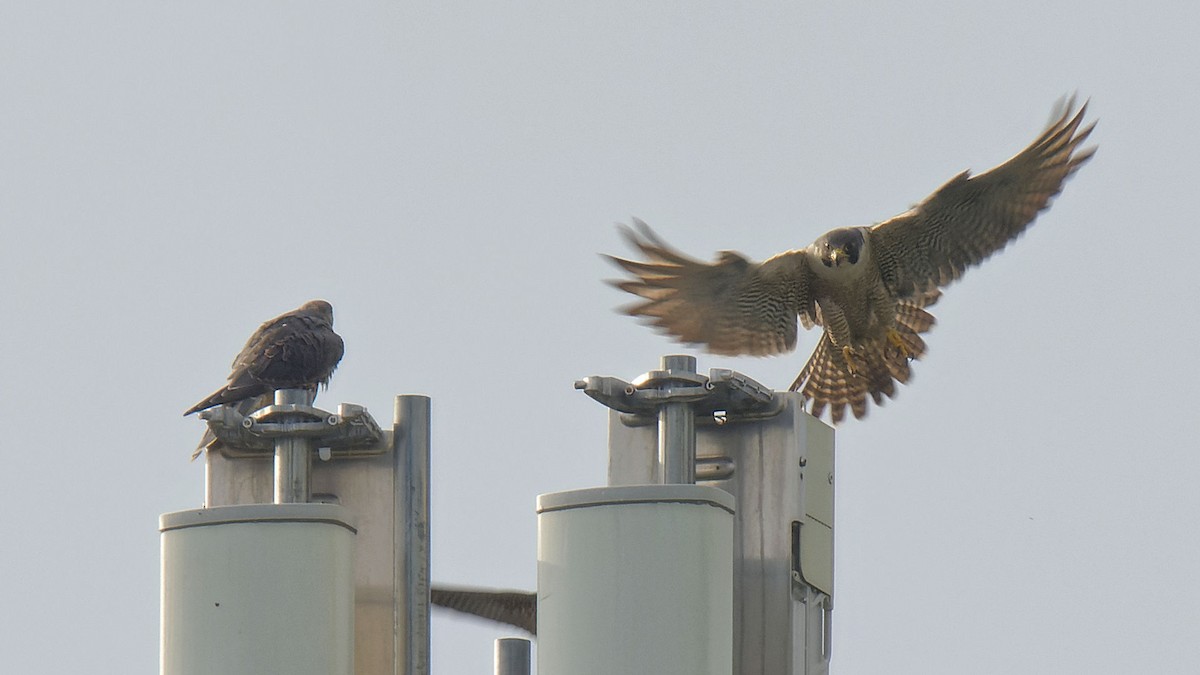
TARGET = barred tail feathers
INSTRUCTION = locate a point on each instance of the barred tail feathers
(828, 382)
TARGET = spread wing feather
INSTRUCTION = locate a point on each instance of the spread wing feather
(733, 305)
(971, 217)
(515, 608)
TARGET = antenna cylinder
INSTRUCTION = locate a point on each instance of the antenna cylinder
(636, 579)
(253, 589)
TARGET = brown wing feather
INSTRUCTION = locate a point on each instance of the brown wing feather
(732, 306)
(515, 608)
(296, 349)
(971, 217)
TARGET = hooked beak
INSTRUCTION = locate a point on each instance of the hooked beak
(836, 256)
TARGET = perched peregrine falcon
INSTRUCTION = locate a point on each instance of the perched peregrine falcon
(296, 350)
(868, 286)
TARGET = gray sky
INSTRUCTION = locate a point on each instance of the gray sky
(172, 174)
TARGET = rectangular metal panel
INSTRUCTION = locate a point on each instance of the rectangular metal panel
(782, 476)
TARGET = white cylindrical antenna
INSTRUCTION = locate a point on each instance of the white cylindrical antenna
(262, 588)
(636, 579)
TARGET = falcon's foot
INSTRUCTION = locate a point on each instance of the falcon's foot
(855, 361)
(897, 341)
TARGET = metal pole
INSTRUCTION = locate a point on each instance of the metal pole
(677, 429)
(293, 454)
(512, 656)
(411, 434)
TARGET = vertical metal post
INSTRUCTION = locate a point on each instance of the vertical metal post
(512, 656)
(293, 455)
(677, 428)
(411, 434)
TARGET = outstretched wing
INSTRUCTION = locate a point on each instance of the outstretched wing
(733, 305)
(971, 217)
(515, 608)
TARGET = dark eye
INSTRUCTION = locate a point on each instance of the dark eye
(851, 248)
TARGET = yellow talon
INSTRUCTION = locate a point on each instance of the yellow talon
(848, 355)
(893, 337)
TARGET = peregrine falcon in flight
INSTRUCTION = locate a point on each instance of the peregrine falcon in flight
(869, 287)
(296, 350)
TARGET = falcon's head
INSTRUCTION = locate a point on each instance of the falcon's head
(840, 248)
(319, 307)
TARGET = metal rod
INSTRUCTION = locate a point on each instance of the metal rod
(512, 656)
(677, 429)
(293, 454)
(411, 438)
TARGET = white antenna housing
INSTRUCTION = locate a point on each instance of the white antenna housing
(265, 588)
(636, 579)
